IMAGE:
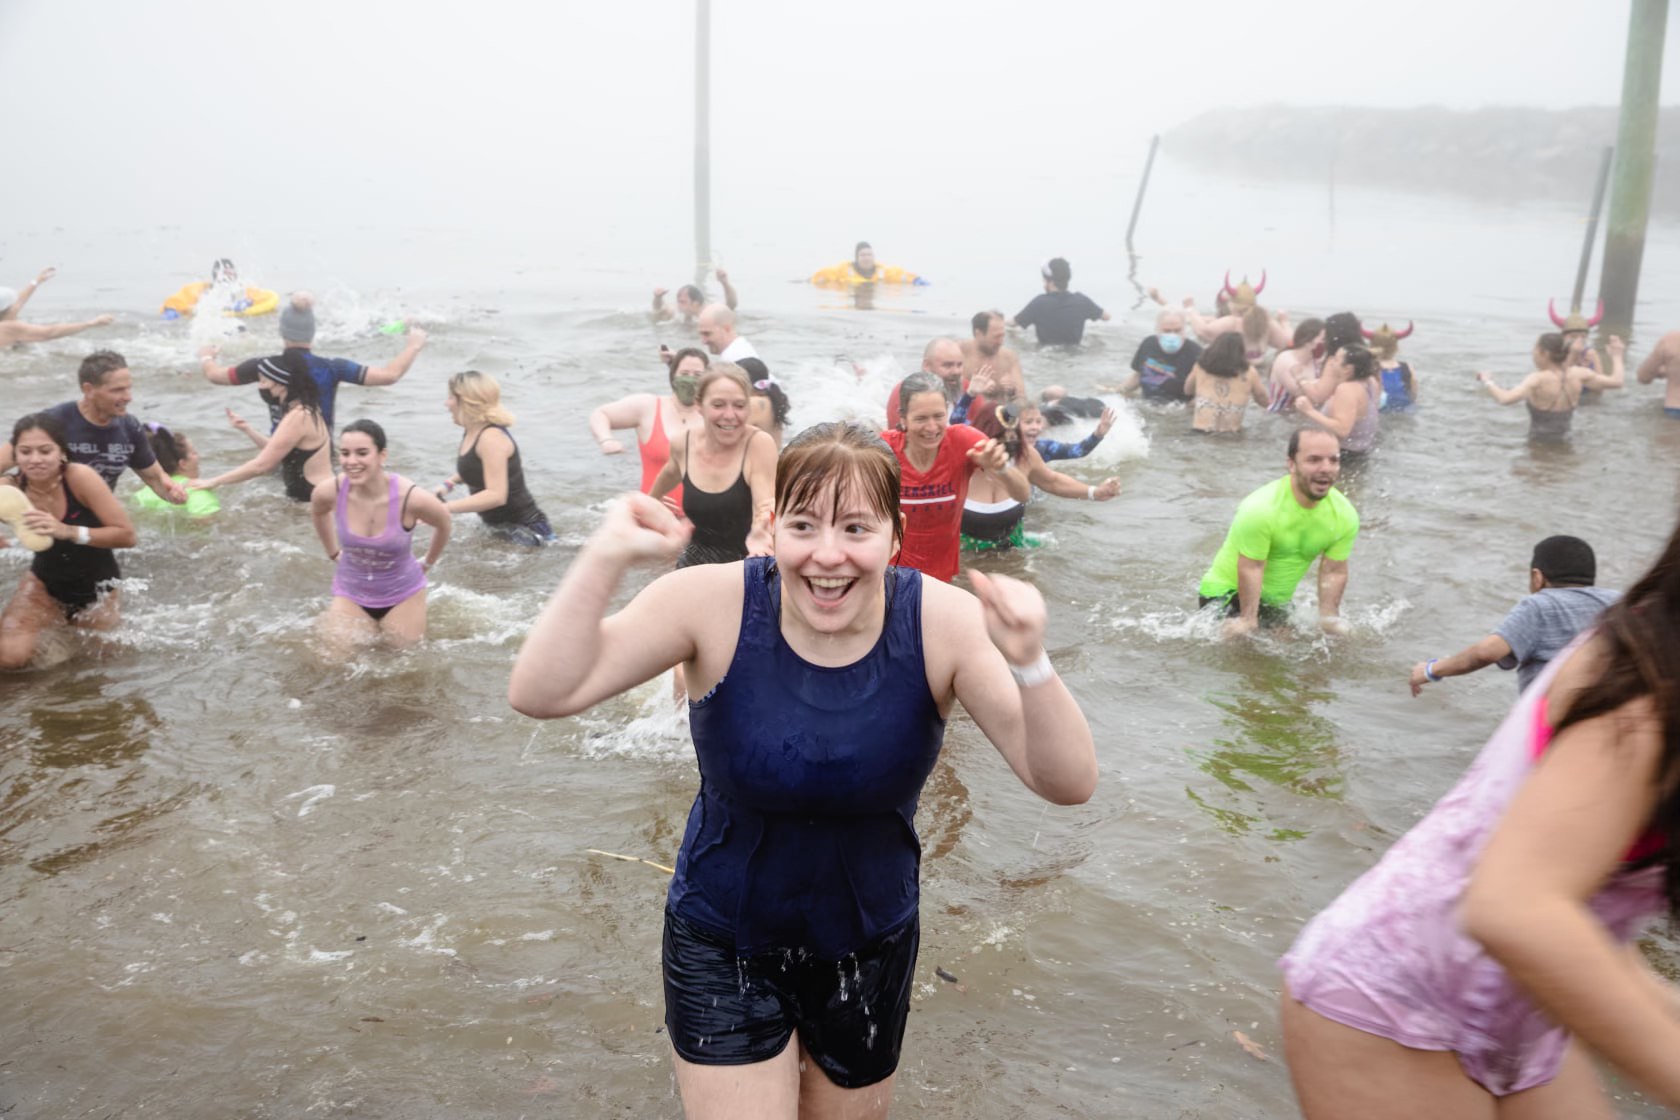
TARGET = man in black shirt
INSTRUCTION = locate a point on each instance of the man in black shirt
(1163, 360)
(1059, 316)
(100, 431)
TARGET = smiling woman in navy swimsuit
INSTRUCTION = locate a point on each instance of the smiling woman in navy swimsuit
(824, 678)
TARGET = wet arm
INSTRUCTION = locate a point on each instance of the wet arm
(761, 480)
(494, 451)
(1509, 396)
(393, 372)
(161, 484)
(116, 530)
(627, 412)
(1615, 379)
(1658, 362)
(1563, 835)
(1332, 582)
(1039, 730)
(1339, 427)
(321, 505)
(35, 332)
(1251, 575)
(575, 656)
(274, 449)
(429, 508)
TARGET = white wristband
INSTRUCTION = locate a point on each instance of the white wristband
(82, 534)
(1090, 493)
(1031, 676)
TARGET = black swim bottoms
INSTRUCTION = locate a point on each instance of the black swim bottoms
(722, 1009)
(1270, 614)
(377, 613)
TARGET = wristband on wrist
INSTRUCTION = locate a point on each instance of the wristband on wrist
(1031, 676)
(1090, 493)
(82, 534)
(1429, 670)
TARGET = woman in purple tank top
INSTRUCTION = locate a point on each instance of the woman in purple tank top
(1450, 980)
(366, 522)
(823, 678)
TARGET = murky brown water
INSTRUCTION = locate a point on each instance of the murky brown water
(237, 881)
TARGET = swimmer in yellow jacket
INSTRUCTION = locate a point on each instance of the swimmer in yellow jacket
(862, 269)
(245, 302)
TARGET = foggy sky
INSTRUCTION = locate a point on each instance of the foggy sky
(459, 114)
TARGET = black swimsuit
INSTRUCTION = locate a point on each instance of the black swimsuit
(73, 573)
(520, 511)
(298, 488)
(721, 520)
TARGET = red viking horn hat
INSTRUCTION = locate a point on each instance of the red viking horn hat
(1230, 291)
(1576, 321)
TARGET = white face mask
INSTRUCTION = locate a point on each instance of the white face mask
(1170, 342)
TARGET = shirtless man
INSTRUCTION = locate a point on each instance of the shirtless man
(1664, 362)
(987, 351)
(13, 332)
(690, 300)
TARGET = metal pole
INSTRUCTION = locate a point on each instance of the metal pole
(1592, 230)
(702, 140)
(1636, 142)
(1137, 206)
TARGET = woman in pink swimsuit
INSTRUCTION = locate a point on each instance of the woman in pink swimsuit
(1448, 981)
(659, 421)
(366, 522)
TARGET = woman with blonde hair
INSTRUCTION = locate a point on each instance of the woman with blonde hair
(488, 462)
(727, 470)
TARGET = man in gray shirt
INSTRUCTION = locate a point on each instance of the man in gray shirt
(1562, 602)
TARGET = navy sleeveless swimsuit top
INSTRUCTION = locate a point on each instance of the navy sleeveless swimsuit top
(803, 833)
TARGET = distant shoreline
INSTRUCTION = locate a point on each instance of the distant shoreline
(1499, 155)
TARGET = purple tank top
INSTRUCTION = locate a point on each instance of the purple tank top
(376, 571)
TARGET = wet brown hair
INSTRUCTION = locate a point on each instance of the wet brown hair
(842, 460)
(1642, 659)
(1553, 345)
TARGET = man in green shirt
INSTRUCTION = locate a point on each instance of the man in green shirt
(1278, 532)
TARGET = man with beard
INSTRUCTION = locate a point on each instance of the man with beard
(943, 358)
(987, 351)
(1278, 532)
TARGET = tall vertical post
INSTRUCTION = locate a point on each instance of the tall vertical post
(1592, 230)
(702, 140)
(1636, 143)
(1137, 204)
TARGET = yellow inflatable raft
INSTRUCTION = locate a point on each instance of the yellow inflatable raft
(846, 275)
(256, 301)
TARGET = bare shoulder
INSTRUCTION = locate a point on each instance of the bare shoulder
(82, 480)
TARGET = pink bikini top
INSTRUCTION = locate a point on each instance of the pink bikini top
(1650, 844)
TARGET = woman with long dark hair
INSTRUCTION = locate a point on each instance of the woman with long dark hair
(1451, 979)
(299, 444)
(72, 580)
